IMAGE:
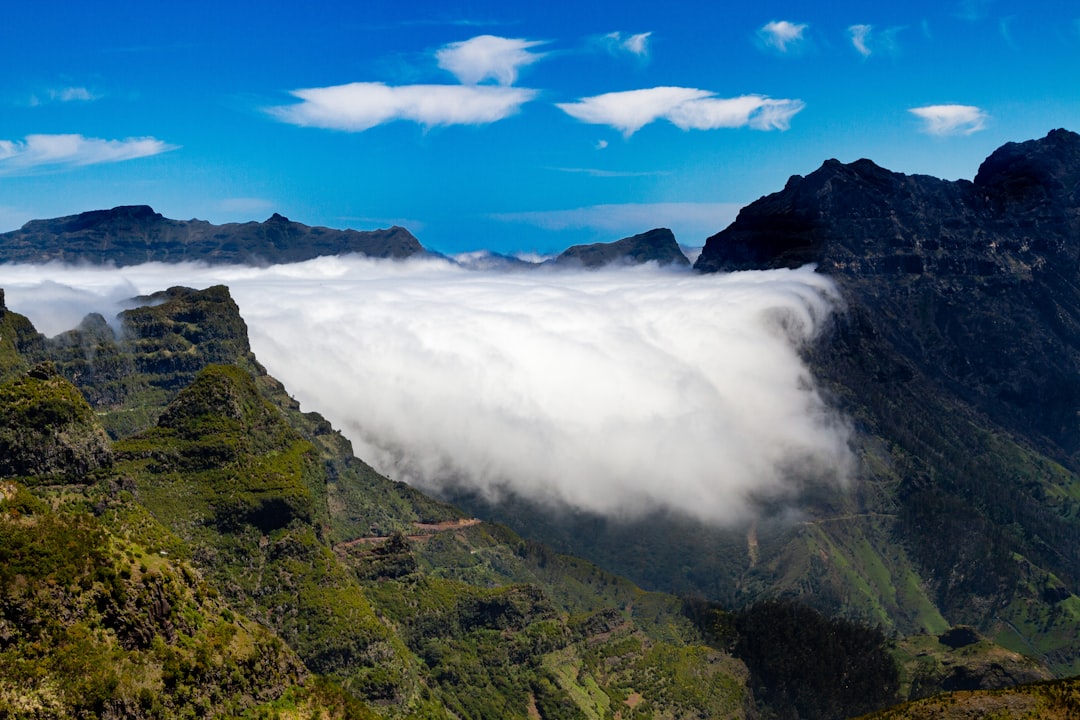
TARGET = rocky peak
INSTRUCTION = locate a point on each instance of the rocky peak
(1036, 170)
(657, 245)
(978, 279)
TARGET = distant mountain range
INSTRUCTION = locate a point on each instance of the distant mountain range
(134, 234)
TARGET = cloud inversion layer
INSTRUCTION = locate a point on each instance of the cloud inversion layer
(618, 392)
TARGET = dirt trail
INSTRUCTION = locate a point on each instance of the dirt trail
(425, 531)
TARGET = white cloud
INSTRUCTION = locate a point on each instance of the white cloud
(74, 94)
(618, 392)
(637, 44)
(782, 36)
(67, 94)
(53, 151)
(951, 119)
(860, 38)
(686, 108)
(488, 57)
(363, 105)
(691, 222)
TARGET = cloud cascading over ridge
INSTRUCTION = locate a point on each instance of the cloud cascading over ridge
(619, 392)
(71, 150)
(488, 57)
(686, 108)
(951, 119)
(782, 35)
(363, 105)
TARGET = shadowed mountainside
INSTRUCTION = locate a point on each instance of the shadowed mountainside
(957, 360)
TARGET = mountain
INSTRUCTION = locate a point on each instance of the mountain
(225, 554)
(957, 361)
(130, 235)
(656, 245)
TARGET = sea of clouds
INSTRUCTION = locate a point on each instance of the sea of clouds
(618, 391)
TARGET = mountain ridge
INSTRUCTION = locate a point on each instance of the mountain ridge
(134, 234)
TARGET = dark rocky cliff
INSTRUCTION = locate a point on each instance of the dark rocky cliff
(973, 283)
(133, 234)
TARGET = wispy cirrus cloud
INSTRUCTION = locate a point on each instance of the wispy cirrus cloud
(363, 105)
(64, 95)
(619, 44)
(951, 119)
(488, 57)
(686, 108)
(59, 151)
(860, 38)
(783, 36)
(603, 173)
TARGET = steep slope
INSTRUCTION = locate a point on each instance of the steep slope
(361, 583)
(959, 359)
(20, 343)
(656, 245)
(95, 620)
(47, 430)
(130, 235)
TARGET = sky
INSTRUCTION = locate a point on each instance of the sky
(515, 127)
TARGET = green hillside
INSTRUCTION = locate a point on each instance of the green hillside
(231, 558)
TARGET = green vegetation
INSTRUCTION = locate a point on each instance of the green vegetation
(234, 559)
(226, 555)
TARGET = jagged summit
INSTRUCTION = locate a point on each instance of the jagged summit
(1051, 164)
(859, 218)
(133, 234)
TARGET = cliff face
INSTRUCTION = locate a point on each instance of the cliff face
(1021, 212)
(129, 235)
(974, 283)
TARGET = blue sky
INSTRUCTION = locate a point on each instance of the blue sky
(513, 127)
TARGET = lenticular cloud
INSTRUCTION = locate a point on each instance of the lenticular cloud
(617, 392)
